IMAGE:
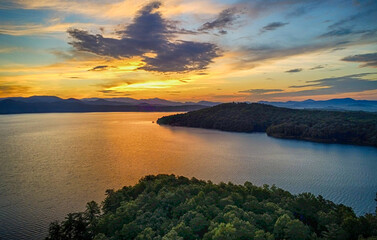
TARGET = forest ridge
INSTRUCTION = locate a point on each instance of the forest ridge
(347, 127)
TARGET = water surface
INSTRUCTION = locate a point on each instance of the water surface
(52, 164)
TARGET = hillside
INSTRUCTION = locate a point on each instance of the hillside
(358, 128)
(166, 207)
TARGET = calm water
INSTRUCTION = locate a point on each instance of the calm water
(52, 164)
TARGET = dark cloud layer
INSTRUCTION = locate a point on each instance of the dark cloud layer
(368, 60)
(99, 68)
(182, 56)
(272, 26)
(326, 86)
(149, 33)
(329, 86)
(223, 20)
(296, 70)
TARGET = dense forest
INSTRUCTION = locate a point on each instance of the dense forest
(314, 125)
(166, 207)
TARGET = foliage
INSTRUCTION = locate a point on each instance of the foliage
(165, 207)
(313, 125)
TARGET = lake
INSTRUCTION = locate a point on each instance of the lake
(52, 164)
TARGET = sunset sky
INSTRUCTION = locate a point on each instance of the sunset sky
(189, 50)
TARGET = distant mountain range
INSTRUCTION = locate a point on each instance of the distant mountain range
(150, 101)
(339, 104)
(44, 104)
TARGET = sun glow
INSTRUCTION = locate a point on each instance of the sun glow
(147, 85)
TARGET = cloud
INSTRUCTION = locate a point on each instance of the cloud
(273, 26)
(117, 83)
(111, 9)
(60, 54)
(303, 8)
(259, 7)
(260, 91)
(289, 8)
(223, 20)
(9, 88)
(37, 29)
(132, 85)
(369, 13)
(358, 23)
(368, 60)
(254, 53)
(84, 41)
(296, 70)
(343, 32)
(337, 49)
(329, 86)
(9, 49)
(183, 56)
(249, 57)
(149, 33)
(114, 93)
(99, 68)
(317, 67)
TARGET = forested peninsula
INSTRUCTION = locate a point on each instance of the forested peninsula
(166, 207)
(348, 127)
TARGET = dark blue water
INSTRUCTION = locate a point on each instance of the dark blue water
(52, 164)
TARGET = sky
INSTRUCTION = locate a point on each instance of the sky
(189, 50)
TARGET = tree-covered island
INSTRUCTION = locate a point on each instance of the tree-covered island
(349, 127)
(166, 207)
